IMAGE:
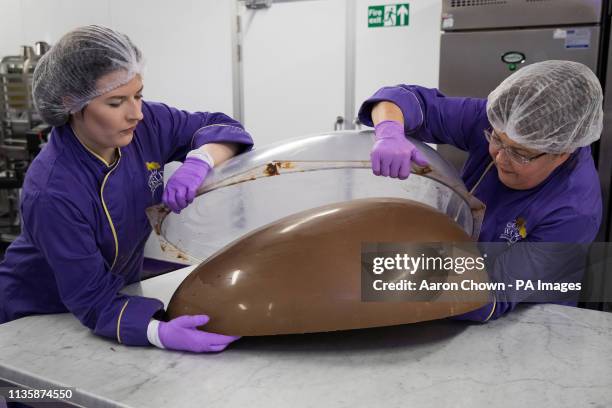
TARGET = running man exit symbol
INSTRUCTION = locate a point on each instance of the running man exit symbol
(390, 15)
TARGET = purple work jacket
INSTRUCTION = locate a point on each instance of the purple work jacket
(564, 208)
(84, 223)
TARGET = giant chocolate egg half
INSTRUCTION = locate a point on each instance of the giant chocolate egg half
(302, 273)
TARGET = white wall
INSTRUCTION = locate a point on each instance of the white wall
(294, 68)
(11, 31)
(397, 55)
(186, 43)
(294, 62)
(48, 20)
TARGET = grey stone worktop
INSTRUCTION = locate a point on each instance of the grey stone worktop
(542, 355)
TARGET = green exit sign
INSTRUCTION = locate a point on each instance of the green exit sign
(389, 15)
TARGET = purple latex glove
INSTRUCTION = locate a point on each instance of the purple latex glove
(392, 153)
(183, 185)
(182, 334)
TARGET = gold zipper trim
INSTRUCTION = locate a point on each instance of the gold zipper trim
(119, 320)
(110, 220)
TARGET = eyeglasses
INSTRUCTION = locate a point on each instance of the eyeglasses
(512, 154)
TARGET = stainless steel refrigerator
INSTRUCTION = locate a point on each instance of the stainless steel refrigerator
(484, 41)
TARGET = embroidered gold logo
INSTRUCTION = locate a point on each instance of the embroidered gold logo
(515, 230)
(156, 176)
(152, 166)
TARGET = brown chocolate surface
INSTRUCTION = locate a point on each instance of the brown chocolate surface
(302, 273)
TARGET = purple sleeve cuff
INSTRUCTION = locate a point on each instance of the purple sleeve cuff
(222, 133)
(404, 98)
(490, 311)
(133, 320)
(483, 314)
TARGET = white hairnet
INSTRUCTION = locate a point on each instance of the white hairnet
(68, 76)
(550, 106)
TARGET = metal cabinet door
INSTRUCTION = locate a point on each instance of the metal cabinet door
(471, 62)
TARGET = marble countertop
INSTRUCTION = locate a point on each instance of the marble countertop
(542, 355)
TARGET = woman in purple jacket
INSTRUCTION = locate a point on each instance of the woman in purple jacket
(529, 160)
(85, 194)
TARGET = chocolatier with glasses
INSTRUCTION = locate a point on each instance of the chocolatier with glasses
(529, 156)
